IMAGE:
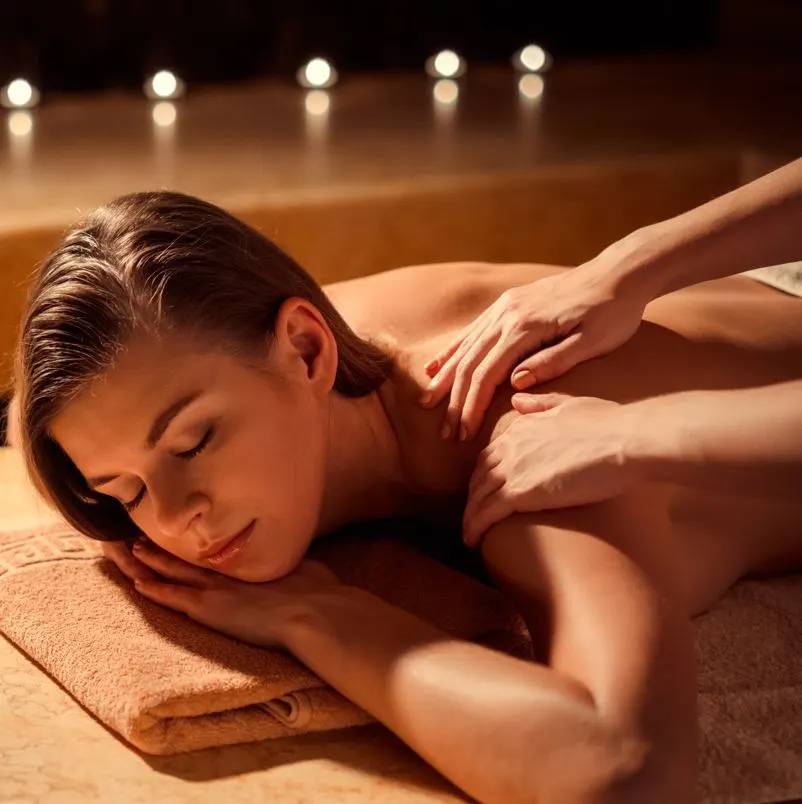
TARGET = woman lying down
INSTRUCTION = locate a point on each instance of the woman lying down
(182, 380)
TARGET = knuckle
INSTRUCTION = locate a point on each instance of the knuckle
(196, 600)
(509, 301)
(480, 375)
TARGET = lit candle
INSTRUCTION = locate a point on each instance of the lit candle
(531, 59)
(445, 64)
(317, 74)
(163, 86)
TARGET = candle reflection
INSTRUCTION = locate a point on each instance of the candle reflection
(20, 140)
(317, 104)
(530, 86)
(530, 95)
(445, 97)
(165, 121)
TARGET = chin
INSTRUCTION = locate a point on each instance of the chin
(256, 571)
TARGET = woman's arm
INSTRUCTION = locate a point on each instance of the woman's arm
(743, 440)
(612, 718)
(539, 331)
(754, 225)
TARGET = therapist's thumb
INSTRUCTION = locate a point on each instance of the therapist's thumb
(538, 403)
(551, 362)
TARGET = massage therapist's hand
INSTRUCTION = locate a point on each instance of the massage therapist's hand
(259, 613)
(565, 451)
(535, 332)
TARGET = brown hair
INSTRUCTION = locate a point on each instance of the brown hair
(152, 262)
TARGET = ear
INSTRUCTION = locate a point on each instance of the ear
(304, 348)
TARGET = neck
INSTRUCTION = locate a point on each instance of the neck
(365, 478)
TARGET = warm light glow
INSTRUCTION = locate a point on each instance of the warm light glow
(446, 91)
(317, 74)
(446, 63)
(531, 86)
(164, 114)
(20, 124)
(317, 102)
(164, 84)
(19, 94)
(531, 59)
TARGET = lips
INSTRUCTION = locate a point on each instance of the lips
(231, 549)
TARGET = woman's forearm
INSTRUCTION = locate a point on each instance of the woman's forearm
(502, 729)
(743, 440)
(752, 226)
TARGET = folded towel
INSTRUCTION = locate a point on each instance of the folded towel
(167, 684)
(786, 277)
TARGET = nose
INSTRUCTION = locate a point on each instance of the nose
(177, 509)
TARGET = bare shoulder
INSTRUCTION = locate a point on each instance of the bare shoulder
(420, 301)
(417, 310)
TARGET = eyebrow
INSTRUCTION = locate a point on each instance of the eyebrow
(160, 424)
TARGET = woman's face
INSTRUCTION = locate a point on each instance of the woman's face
(201, 448)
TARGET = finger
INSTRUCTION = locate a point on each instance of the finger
(466, 377)
(495, 508)
(485, 379)
(537, 403)
(443, 382)
(488, 459)
(171, 567)
(119, 553)
(445, 358)
(180, 598)
(434, 365)
(489, 484)
(553, 361)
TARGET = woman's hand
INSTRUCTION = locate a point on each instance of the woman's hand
(121, 555)
(258, 613)
(563, 319)
(566, 451)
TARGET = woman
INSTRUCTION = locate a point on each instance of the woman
(180, 377)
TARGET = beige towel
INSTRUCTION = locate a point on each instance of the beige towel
(167, 684)
(786, 277)
(750, 693)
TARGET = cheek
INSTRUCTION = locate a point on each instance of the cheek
(295, 469)
(182, 549)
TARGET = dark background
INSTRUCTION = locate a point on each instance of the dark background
(87, 45)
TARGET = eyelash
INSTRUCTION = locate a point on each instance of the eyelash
(184, 456)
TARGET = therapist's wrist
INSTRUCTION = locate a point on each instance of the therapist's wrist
(643, 265)
(652, 444)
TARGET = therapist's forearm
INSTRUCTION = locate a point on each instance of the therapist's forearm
(755, 225)
(743, 440)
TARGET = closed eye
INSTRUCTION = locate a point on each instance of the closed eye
(130, 506)
(196, 450)
(185, 456)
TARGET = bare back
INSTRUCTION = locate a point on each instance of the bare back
(731, 333)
